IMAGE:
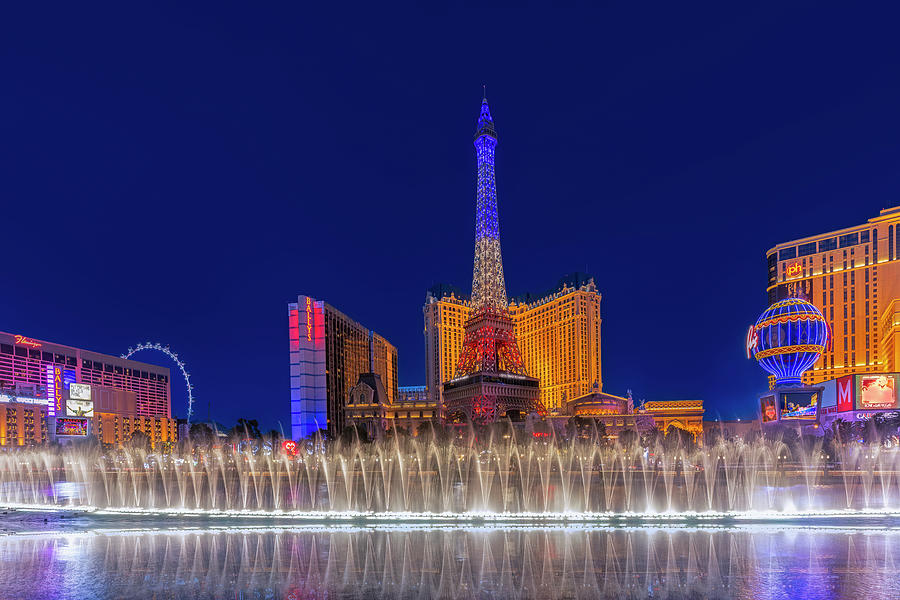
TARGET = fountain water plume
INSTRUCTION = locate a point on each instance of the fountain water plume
(496, 471)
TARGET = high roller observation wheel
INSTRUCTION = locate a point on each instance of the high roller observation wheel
(165, 350)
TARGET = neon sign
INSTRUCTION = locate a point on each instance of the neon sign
(308, 320)
(793, 269)
(845, 393)
(290, 447)
(58, 388)
(51, 402)
(752, 339)
(27, 341)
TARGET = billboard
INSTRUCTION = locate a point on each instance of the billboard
(79, 408)
(799, 405)
(68, 426)
(11, 398)
(877, 391)
(829, 397)
(79, 391)
(767, 408)
(844, 393)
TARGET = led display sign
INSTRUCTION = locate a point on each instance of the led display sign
(79, 391)
(799, 406)
(828, 405)
(68, 426)
(767, 409)
(877, 391)
(27, 341)
(79, 408)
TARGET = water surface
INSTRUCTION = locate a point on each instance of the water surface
(76, 559)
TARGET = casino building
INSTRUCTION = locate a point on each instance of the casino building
(369, 407)
(852, 276)
(558, 334)
(328, 353)
(118, 396)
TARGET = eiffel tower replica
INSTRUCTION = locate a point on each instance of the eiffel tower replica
(490, 381)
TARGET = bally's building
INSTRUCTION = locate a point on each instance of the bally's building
(328, 353)
(853, 276)
(558, 334)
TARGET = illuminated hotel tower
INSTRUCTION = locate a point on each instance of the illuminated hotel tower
(853, 276)
(490, 379)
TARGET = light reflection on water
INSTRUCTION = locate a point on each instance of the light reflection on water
(763, 563)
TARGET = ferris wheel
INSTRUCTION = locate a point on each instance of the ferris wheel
(165, 350)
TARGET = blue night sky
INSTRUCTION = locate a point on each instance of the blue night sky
(179, 174)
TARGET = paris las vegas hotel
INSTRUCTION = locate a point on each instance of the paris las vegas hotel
(853, 276)
(558, 333)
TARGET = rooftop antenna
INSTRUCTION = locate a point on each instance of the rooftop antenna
(484, 91)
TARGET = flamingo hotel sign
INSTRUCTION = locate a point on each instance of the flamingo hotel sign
(27, 341)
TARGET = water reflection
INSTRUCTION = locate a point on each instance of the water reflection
(453, 563)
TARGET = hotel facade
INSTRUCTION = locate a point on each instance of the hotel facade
(853, 276)
(328, 352)
(558, 335)
(124, 395)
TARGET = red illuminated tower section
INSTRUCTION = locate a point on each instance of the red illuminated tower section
(491, 380)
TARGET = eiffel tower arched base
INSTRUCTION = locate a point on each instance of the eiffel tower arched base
(486, 397)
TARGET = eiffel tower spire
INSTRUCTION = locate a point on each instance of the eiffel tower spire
(488, 285)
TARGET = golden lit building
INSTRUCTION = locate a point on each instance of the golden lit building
(116, 430)
(619, 414)
(558, 335)
(853, 276)
(370, 408)
(115, 419)
(22, 424)
(682, 414)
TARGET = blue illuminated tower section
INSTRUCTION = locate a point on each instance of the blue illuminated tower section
(488, 285)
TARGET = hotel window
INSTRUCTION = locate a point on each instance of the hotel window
(787, 253)
(829, 244)
(891, 242)
(806, 249)
(849, 239)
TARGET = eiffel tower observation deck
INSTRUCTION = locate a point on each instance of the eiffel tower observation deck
(490, 380)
